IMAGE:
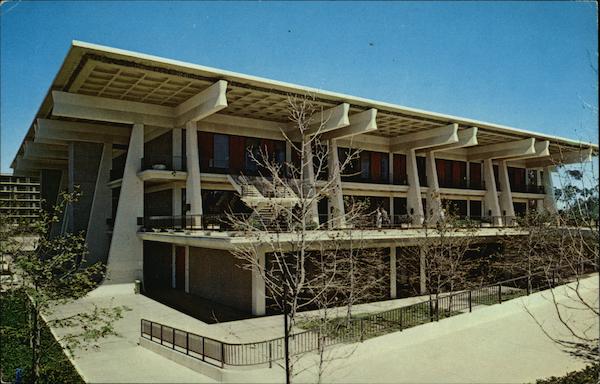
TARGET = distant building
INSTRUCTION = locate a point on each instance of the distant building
(19, 198)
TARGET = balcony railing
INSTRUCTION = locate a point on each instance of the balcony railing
(247, 222)
(539, 189)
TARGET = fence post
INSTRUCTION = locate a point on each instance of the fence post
(361, 330)
(203, 348)
(470, 302)
(173, 338)
(161, 334)
(270, 355)
(187, 343)
(500, 293)
(222, 355)
(437, 309)
(400, 319)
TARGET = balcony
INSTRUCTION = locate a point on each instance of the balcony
(164, 163)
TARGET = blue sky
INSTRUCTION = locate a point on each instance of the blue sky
(526, 65)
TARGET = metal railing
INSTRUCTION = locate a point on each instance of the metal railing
(359, 328)
(224, 223)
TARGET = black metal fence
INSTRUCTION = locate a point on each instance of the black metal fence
(340, 330)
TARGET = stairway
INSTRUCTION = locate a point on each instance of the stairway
(262, 196)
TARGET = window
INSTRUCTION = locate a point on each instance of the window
(221, 152)
(385, 167)
(365, 165)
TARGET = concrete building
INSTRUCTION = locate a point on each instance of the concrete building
(151, 140)
(19, 198)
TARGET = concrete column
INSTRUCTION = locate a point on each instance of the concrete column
(309, 184)
(434, 198)
(393, 269)
(413, 197)
(125, 257)
(96, 238)
(549, 199)
(490, 198)
(193, 191)
(187, 269)
(258, 286)
(177, 140)
(391, 181)
(506, 201)
(336, 197)
(422, 272)
(177, 203)
(468, 174)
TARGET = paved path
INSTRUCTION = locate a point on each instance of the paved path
(499, 343)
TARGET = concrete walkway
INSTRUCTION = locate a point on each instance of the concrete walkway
(499, 343)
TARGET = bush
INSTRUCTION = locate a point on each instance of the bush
(14, 346)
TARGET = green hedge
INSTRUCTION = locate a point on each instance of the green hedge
(15, 352)
(587, 375)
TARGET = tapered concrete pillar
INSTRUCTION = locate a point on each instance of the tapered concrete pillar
(336, 197)
(434, 198)
(125, 257)
(549, 199)
(490, 199)
(258, 286)
(413, 197)
(309, 184)
(96, 238)
(393, 269)
(506, 202)
(422, 272)
(193, 191)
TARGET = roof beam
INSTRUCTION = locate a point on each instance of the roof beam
(210, 101)
(362, 122)
(324, 121)
(581, 156)
(430, 138)
(466, 138)
(507, 150)
(59, 132)
(44, 151)
(111, 110)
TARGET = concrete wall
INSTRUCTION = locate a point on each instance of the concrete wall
(84, 159)
(216, 275)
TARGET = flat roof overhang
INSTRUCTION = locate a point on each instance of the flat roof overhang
(106, 72)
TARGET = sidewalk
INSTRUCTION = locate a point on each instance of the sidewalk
(474, 347)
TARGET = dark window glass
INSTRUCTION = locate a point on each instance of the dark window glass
(365, 165)
(385, 168)
(252, 149)
(221, 152)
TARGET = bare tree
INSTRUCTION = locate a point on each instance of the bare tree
(440, 257)
(287, 236)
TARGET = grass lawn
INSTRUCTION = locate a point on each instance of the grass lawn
(15, 352)
(584, 376)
